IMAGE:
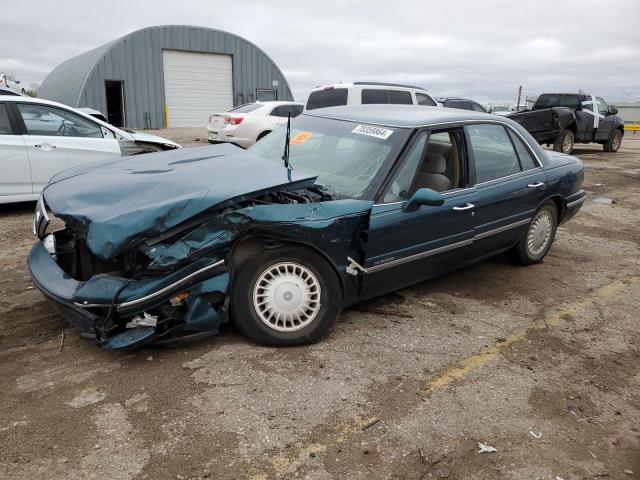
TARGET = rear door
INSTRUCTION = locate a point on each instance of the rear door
(407, 247)
(510, 185)
(14, 161)
(57, 139)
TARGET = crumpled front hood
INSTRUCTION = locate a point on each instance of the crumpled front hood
(118, 203)
(148, 138)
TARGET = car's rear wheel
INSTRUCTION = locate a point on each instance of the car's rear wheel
(286, 296)
(564, 142)
(614, 141)
(534, 245)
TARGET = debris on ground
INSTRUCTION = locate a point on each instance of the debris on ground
(484, 448)
(535, 435)
(604, 200)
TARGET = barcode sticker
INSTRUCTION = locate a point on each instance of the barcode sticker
(373, 131)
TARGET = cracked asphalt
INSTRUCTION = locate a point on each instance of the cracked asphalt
(541, 363)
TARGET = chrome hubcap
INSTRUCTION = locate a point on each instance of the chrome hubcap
(286, 297)
(566, 144)
(539, 233)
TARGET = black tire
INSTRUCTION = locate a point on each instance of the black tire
(247, 317)
(24, 91)
(614, 141)
(521, 252)
(564, 142)
(262, 135)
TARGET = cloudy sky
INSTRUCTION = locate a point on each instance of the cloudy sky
(481, 49)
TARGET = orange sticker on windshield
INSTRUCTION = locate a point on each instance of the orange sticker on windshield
(300, 138)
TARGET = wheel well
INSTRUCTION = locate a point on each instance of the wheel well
(245, 248)
(263, 134)
(560, 207)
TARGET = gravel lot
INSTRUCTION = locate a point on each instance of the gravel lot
(541, 363)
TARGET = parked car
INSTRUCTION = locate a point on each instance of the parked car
(94, 113)
(363, 200)
(9, 91)
(562, 119)
(501, 110)
(364, 93)
(39, 138)
(8, 81)
(246, 124)
(461, 103)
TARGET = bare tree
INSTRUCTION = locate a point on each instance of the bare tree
(32, 91)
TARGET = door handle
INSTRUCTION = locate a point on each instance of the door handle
(467, 206)
(536, 185)
(44, 146)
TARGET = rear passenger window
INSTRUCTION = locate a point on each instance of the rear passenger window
(493, 152)
(373, 95)
(426, 100)
(5, 126)
(527, 161)
(400, 97)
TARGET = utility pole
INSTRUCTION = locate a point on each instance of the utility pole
(518, 100)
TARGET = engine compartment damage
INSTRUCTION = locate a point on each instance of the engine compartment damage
(176, 285)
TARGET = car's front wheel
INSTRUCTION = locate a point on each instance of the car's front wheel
(564, 142)
(286, 296)
(534, 245)
(614, 141)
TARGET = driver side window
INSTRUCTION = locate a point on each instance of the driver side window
(56, 122)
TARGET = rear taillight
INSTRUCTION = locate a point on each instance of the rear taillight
(233, 120)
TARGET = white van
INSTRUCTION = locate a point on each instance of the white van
(362, 93)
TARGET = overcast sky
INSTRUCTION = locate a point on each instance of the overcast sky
(477, 49)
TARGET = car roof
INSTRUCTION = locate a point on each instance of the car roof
(37, 100)
(11, 92)
(407, 116)
(275, 103)
(368, 84)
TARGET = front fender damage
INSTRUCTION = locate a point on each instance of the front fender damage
(336, 229)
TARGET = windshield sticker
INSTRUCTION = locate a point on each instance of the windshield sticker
(373, 131)
(300, 138)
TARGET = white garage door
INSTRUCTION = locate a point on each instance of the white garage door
(196, 85)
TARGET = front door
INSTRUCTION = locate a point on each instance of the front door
(408, 247)
(510, 185)
(57, 139)
(14, 161)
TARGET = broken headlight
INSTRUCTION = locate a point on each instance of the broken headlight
(41, 219)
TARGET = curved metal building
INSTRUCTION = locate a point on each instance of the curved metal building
(167, 76)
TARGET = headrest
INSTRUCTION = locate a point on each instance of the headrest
(434, 163)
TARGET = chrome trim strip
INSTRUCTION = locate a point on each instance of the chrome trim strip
(153, 295)
(504, 228)
(417, 256)
(576, 202)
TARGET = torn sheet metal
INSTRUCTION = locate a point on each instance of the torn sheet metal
(116, 204)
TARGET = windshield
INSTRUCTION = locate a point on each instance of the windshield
(247, 107)
(349, 158)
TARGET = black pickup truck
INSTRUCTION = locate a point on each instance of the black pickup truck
(562, 119)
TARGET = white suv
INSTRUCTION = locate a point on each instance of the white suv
(362, 93)
(9, 82)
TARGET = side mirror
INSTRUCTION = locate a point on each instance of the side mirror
(423, 196)
(613, 111)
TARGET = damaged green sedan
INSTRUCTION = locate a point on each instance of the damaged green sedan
(345, 204)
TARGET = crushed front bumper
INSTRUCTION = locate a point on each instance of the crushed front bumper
(86, 304)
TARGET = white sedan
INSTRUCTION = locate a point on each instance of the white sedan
(39, 138)
(246, 124)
